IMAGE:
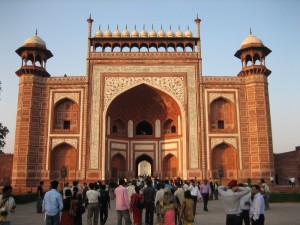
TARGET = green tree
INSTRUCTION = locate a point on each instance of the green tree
(3, 130)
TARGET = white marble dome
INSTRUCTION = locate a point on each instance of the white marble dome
(99, 33)
(107, 33)
(143, 33)
(152, 33)
(117, 33)
(35, 41)
(134, 33)
(161, 33)
(125, 33)
(170, 33)
(251, 39)
(188, 33)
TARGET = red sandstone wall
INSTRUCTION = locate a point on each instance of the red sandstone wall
(6, 163)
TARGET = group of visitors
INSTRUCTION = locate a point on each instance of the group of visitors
(7, 205)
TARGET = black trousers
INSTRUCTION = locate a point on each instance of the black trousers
(233, 219)
(245, 217)
(149, 212)
(103, 215)
(195, 203)
(260, 221)
(205, 200)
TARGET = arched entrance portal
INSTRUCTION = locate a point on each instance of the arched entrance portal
(139, 121)
(143, 166)
(118, 166)
(65, 156)
(224, 158)
(170, 166)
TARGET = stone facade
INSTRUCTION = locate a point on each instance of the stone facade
(143, 100)
(6, 163)
(287, 165)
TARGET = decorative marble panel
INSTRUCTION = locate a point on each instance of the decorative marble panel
(214, 96)
(72, 96)
(116, 82)
(114, 152)
(216, 141)
(138, 154)
(58, 141)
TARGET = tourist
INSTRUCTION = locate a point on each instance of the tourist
(205, 191)
(131, 190)
(104, 204)
(265, 190)
(215, 192)
(195, 193)
(187, 209)
(272, 180)
(122, 203)
(149, 197)
(159, 193)
(77, 206)
(93, 205)
(112, 187)
(293, 181)
(231, 201)
(136, 206)
(67, 216)
(179, 195)
(245, 203)
(52, 205)
(165, 210)
(257, 209)
(40, 197)
(66, 186)
(7, 205)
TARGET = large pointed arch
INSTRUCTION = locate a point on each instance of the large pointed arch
(224, 158)
(170, 166)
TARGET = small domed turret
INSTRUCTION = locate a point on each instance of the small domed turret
(251, 39)
(170, 33)
(99, 33)
(143, 33)
(179, 33)
(188, 33)
(107, 33)
(35, 41)
(117, 33)
(152, 32)
(161, 33)
(125, 33)
(134, 33)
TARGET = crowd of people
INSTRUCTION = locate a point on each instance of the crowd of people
(172, 201)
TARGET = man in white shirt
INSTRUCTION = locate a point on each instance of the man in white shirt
(195, 193)
(231, 201)
(93, 205)
(257, 209)
(7, 205)
(245, 204)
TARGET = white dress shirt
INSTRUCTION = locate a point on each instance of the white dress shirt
(258, 206)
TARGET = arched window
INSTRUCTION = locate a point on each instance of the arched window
(222, 115)
(169, 127)
(173, 129)
(66, 116)
(144, 128)
(118, 127)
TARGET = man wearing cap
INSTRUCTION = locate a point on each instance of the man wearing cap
(231, 201)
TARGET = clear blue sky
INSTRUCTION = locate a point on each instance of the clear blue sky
(225, 24)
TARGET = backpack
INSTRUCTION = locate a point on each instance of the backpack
(138, 203)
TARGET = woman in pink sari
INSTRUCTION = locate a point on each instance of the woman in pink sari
(165, 209)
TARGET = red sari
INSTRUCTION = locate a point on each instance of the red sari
(137, 212)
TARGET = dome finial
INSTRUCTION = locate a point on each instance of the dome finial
(135, 26)
(144, 26)
(117, 27)
(152, 26)
(161, 26)
(35, 31)
(170, 27)
(197, 16)
(108, 27)
(90, 16)
(99, 27)
(126, 27)
(250, 31)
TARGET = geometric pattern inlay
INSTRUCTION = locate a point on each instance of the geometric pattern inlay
(72, 96)
(213, 96)
(150, 154)
(118, 79)
(216, 141)
(58, 141)
(114, 152)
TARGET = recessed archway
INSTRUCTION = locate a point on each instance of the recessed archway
(144, 165)
(118, 166)
(170, 166)
(224, 158)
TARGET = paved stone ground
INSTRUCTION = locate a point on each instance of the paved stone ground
(279, 214)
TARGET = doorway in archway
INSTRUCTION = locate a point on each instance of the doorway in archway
(144, 165)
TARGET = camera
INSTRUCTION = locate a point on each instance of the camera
(4, 213)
